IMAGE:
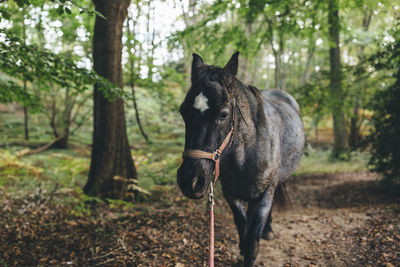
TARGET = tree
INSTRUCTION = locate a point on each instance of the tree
(362, 41)
(112, 166)
(384, 138)
(53, 80)
(19, 62)
(190, 20)
(26, 118)
(339, 123)
(130, 45)
(355, 120)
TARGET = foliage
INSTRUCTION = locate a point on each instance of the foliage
(384, 138)
(313, 98)
(321, 161)
(32, 64)
(287, 35)
(11, 168)
(63, 6)
(12, 92)
(284, 45)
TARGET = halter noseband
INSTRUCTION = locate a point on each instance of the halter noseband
(214, 156)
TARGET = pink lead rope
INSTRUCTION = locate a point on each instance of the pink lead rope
(210, 209)
(214, 156)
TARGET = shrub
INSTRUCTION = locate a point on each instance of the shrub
(385, 136)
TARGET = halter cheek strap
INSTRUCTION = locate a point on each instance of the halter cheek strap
(214, 156)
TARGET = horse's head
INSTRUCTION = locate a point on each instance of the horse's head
(208, 113)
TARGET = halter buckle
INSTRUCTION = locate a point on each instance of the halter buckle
(210, 203)
(216, 154)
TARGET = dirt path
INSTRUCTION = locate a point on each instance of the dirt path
(333, 220)
(325, 224)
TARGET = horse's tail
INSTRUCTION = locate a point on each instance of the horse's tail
(281, 196)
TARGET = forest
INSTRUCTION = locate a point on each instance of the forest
(91, 135)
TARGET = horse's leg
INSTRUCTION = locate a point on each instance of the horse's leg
(239, 216)
(257, 215)
(268, 234)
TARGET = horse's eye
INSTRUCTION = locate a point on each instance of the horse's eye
(223, 115)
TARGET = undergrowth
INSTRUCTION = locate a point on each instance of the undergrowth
(65, 171)
(156, 163)
(321, 161)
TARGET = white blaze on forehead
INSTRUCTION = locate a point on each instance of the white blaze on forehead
(200, 102)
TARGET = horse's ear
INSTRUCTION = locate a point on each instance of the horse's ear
(197, 62)
(232, 65)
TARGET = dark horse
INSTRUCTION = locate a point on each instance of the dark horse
(264, 149)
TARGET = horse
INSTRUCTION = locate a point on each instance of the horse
(253, 140)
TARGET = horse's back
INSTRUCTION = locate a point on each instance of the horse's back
(283, 110)
(283, 96)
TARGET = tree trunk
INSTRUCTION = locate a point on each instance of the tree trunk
(277, 66)
(62, 142)
(26, 118)
(282, 73)
(245, 62)
(355, 135)
(26, 126)
(187, 49)
(306, 75)
(53, 123)
(112, 167)
(339, 123)
(279, 76)
(132, 77)
(356, 120)
(244, 69)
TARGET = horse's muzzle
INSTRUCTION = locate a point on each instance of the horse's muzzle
(195, 187)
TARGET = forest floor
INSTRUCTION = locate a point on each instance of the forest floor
(339, 219)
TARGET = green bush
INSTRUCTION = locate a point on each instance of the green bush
(385, 136)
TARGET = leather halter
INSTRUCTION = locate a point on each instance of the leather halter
(214, 156)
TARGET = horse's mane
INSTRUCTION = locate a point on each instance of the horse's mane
(255, 91)
(257, 94)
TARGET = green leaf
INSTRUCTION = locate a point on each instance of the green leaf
(99, 14)
(20, 3)
(67, 10)
(60, 10)
(14, 39)
(5, 14)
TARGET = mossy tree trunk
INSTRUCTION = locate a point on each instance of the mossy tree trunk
(112, 167)
(339, 123)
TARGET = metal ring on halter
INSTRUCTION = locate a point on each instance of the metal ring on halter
(216, 154)
(211, 197)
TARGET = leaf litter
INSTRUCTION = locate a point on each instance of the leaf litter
(334, 220)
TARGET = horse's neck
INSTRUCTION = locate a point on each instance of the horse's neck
(252, 108)
(251, 103)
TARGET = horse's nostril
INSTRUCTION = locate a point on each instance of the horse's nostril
(198, 183)
(194, 182)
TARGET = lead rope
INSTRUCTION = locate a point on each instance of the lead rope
(210, 209)
(214, 156)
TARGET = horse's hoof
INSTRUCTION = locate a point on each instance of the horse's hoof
(268, 236)
(241, 258)
(239, 262)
